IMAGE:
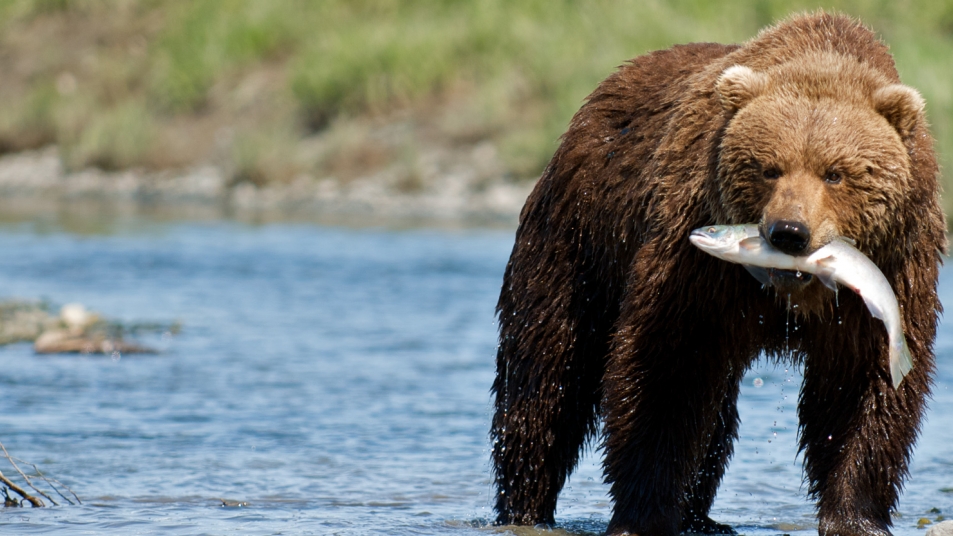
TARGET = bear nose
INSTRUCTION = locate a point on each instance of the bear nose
(790, 237)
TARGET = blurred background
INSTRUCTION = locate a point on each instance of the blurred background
(250, 252)
(457, 102)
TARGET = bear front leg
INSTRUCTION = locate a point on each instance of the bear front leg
(547, 389)
(666, 421)
(705, 483)
(857, 431)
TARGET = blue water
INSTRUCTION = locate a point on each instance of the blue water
(336, 380)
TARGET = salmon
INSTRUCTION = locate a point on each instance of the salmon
(838, 262)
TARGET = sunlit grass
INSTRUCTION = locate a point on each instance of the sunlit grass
(512, 73)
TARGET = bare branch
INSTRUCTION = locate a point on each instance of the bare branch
(53, 483)
(27, 479)
(50, 481)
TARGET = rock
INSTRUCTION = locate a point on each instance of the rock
(61, 341)
(24, 321)
(74, 330)
(439, 182)
(944, 528)
(76, 317)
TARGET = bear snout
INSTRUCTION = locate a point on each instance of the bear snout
(791, 237)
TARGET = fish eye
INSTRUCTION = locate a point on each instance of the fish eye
(712, 230)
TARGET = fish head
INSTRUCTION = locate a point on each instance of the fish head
(719, 239)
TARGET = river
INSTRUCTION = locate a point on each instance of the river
(332, 381)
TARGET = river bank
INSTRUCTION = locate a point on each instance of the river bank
(448, 185)
(341, 110)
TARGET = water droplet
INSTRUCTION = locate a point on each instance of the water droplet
(787, 327)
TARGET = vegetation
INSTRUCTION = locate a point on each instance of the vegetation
(272, 90)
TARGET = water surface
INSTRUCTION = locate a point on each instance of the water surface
(336, 380)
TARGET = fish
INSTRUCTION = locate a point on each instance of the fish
(838, 262)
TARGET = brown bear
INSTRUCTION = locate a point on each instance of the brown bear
(608, 312)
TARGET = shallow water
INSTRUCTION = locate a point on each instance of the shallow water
(335, 380)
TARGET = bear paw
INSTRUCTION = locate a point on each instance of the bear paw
(852, 527)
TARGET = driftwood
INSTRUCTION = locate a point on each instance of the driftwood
(9, 501)
(34, 501)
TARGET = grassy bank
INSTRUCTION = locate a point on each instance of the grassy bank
(278, 90)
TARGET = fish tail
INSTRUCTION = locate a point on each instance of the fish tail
(900, 362)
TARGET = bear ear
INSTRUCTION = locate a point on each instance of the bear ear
(901, 105)
(738, 85)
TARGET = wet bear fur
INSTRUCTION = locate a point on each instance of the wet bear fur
(608, 313)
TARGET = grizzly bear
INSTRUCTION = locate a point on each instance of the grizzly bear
(608, 313)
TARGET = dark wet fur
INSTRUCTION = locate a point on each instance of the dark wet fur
(607, 311)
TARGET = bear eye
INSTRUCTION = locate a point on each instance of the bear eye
(771, 173)
(833, 177)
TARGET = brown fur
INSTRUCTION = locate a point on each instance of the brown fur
(608, 311)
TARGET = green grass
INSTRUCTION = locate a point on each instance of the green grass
(152, 73)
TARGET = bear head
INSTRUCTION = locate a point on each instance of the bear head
(814, 149)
